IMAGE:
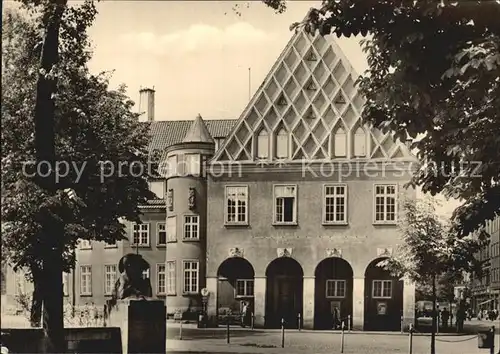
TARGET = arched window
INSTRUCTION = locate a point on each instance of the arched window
(282, 147)
(360, 143)
(263, 145)
(340, 143)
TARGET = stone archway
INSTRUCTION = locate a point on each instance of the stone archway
(383, 299)
(284, 291)
(235, 285)
(333, 289)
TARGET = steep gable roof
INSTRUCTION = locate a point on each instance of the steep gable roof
(309, 92)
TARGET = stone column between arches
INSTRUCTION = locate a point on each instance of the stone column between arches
(259, 301)
(308, 304)
(408, 302)
(212, 300)
(358, 306)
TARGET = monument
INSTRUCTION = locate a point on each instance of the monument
(142, 320)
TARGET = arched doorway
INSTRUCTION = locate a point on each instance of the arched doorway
(284, 292)
(235, 286)
(333, 289)
(383, 299)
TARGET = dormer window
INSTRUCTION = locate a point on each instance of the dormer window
(282, 146)
(263, 144)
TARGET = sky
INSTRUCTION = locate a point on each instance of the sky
(196, 54)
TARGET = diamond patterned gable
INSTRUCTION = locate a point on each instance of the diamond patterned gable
(310, 94)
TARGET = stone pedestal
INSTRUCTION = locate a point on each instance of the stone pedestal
(358, 311)
(260, 301)
(308, 307)
(143, 325)
(408, 303)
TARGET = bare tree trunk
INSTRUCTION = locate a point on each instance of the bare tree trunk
(434, 316)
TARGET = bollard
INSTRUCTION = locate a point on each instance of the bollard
(299, 320)
(282, 333)
(180, 331)
(492, 348)
(253, 320)
(410, 339)
(349, 323)
(342, 338)
(227, 334)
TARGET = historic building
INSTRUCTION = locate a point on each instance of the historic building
(485, 289)
(304, 201)
(289, 208)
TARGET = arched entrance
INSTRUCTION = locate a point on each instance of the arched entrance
(383, 299)
(333, 289)
(284, 292)
(235, 286)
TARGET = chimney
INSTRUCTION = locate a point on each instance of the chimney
(146, 104)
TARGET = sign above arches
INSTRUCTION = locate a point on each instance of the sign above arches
(235, 252)
(284, 252)
(333, 252)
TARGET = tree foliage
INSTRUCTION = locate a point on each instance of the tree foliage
(433, 78)
(93, 124)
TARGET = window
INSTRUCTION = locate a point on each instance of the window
(140, 235)
(65, 279)
(145, 274)
(237, 204)
(360, 143)
(160, 279)
(385, 203)
(161, 234)
(335, 204)
(171, 278)
(86, 280)
(382, 289)
(218, 143)
(244, 287)
(335, 288)
(284, 204)
(109, 278)
(191, 227)
(171, 229)
(340, 143)
(282, 146)
(172, 166)
(263, 145)
(192, 164)
(191, 272)
(158, 188)
(85, 245)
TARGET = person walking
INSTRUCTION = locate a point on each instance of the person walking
(244, 314)
(445, 317)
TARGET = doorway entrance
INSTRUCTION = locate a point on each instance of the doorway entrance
(284, 293)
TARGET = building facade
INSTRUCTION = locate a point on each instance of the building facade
(289, 208)
(485, 289)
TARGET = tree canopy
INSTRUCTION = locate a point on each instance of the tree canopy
(93, 124)
(433, 78)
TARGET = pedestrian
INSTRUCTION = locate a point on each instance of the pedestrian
(244, 314)
(336, 318)
(460, 319)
